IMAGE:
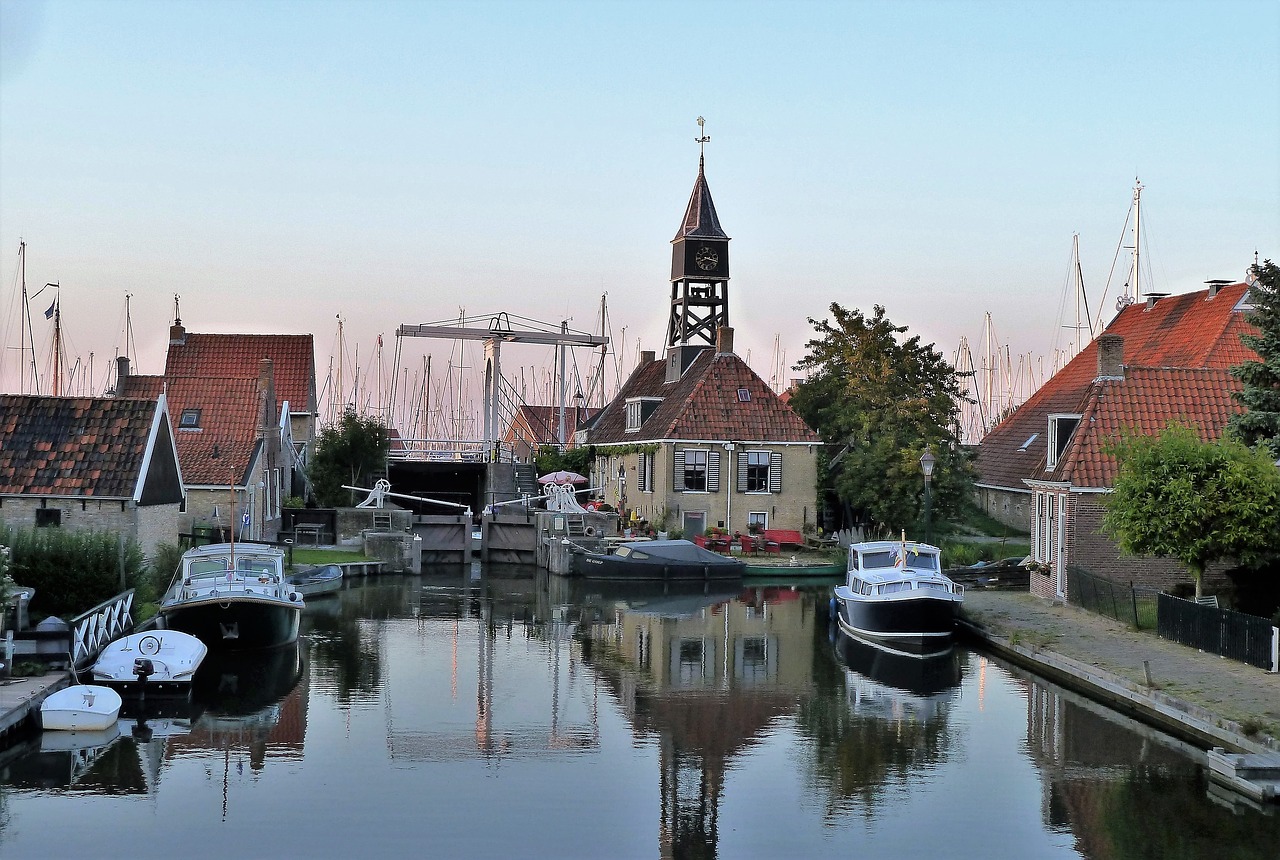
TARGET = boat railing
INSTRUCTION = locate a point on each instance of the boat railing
(232, 582)
(101, 625)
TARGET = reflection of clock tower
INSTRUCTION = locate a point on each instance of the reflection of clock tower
(699, 279)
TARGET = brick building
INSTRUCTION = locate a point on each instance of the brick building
(90, 463)
(244, 410)
(1046, 468)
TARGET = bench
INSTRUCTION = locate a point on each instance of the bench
(784, 537)
(312, 530)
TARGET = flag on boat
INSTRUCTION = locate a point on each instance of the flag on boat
(49, 313)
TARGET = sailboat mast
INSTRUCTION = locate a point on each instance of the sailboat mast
(57, 346)
(1137, 238)
(23, 314)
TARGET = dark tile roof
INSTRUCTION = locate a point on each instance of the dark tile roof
(73, 446)
(228, 426)
(1146, 400)
(142, 387)
(237, 356)
(700, 218)
(1192, 330)
(702, 404)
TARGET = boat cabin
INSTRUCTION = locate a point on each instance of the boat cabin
(892, 567)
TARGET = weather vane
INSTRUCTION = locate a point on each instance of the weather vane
(703, 139)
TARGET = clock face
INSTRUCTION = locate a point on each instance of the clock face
(706, 258)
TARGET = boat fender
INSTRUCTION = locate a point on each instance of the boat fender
(589, 531)
(831, 608)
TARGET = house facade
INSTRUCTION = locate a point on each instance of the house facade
(1047, 468)
(696, 438)
(534, 426)
(90, 463)
(242, 442)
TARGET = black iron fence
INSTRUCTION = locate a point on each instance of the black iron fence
(1246, 638)
(1128, 604)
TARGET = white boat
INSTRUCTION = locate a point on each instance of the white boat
(233, 595)
(896, 593)
(155, 660)
(80, 708)
(324, 579)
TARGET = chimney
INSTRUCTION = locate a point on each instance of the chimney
(648, 356)
(177, 334)
(122, 373)
(1110, 356)
(724, 339)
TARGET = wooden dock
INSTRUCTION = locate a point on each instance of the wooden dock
(20, 700)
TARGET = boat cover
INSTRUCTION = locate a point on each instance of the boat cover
(678, 550)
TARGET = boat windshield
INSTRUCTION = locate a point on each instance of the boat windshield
(244, 563)
(890, 558)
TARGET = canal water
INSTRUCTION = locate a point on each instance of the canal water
(505, 713)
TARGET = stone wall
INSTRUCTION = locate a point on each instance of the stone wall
(1013, 509)
(150, 525)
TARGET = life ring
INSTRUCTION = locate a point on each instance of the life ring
(589, 531)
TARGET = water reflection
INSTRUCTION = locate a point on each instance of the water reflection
(706, 675)
(692, 720)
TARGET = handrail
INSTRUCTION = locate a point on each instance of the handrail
(100, 626)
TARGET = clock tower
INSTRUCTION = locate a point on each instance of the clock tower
(699, 277)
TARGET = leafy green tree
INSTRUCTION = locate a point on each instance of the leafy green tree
(1198, 502)
(1260, 423)
(878, 399)
(552, 459)
(351, 451)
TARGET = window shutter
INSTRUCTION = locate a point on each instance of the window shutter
(775, 472)
(742, 472)
(677, 473)
(713, 472)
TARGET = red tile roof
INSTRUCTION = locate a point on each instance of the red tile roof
(237, 356)
(702, 404)
(1192, 330)
(228, 426)
(1146, 400)
(73, 446)
(540, 425)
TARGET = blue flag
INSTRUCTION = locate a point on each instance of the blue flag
(49, 313)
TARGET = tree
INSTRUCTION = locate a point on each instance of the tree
(349, 452)
(1260, 423)
(878, 400)
(1198, 502)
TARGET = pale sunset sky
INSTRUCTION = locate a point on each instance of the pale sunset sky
(281, 164)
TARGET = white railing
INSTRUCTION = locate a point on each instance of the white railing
(450, 450)
(100, 626)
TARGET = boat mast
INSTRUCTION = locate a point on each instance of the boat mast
(1132, 292)
(57, 346)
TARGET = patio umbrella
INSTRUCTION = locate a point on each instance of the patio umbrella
(562, 477)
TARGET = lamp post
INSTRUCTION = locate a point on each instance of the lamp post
(927, 461)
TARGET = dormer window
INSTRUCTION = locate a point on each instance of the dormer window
(1061, 426)
(638, 411)
(190, 419)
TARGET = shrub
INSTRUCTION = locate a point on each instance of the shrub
(73, 571)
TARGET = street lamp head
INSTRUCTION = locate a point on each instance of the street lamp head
(927, 461)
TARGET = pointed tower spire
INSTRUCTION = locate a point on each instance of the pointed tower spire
(699, 273)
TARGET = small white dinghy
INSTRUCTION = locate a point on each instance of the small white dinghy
(80, 708)
(156, 660)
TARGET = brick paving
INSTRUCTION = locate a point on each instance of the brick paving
(1236, 691)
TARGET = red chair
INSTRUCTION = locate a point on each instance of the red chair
(748, 544)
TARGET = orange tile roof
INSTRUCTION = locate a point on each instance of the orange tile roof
(1192, 330)
(1146, 400)
(73, 446)
(228, 426)
(540, 425)
(142, 387)
(236, 356)
(702, 404)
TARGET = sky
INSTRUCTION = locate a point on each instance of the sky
(281, 165)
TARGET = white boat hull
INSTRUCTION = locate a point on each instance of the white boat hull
(173, 658)
(80, 708)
